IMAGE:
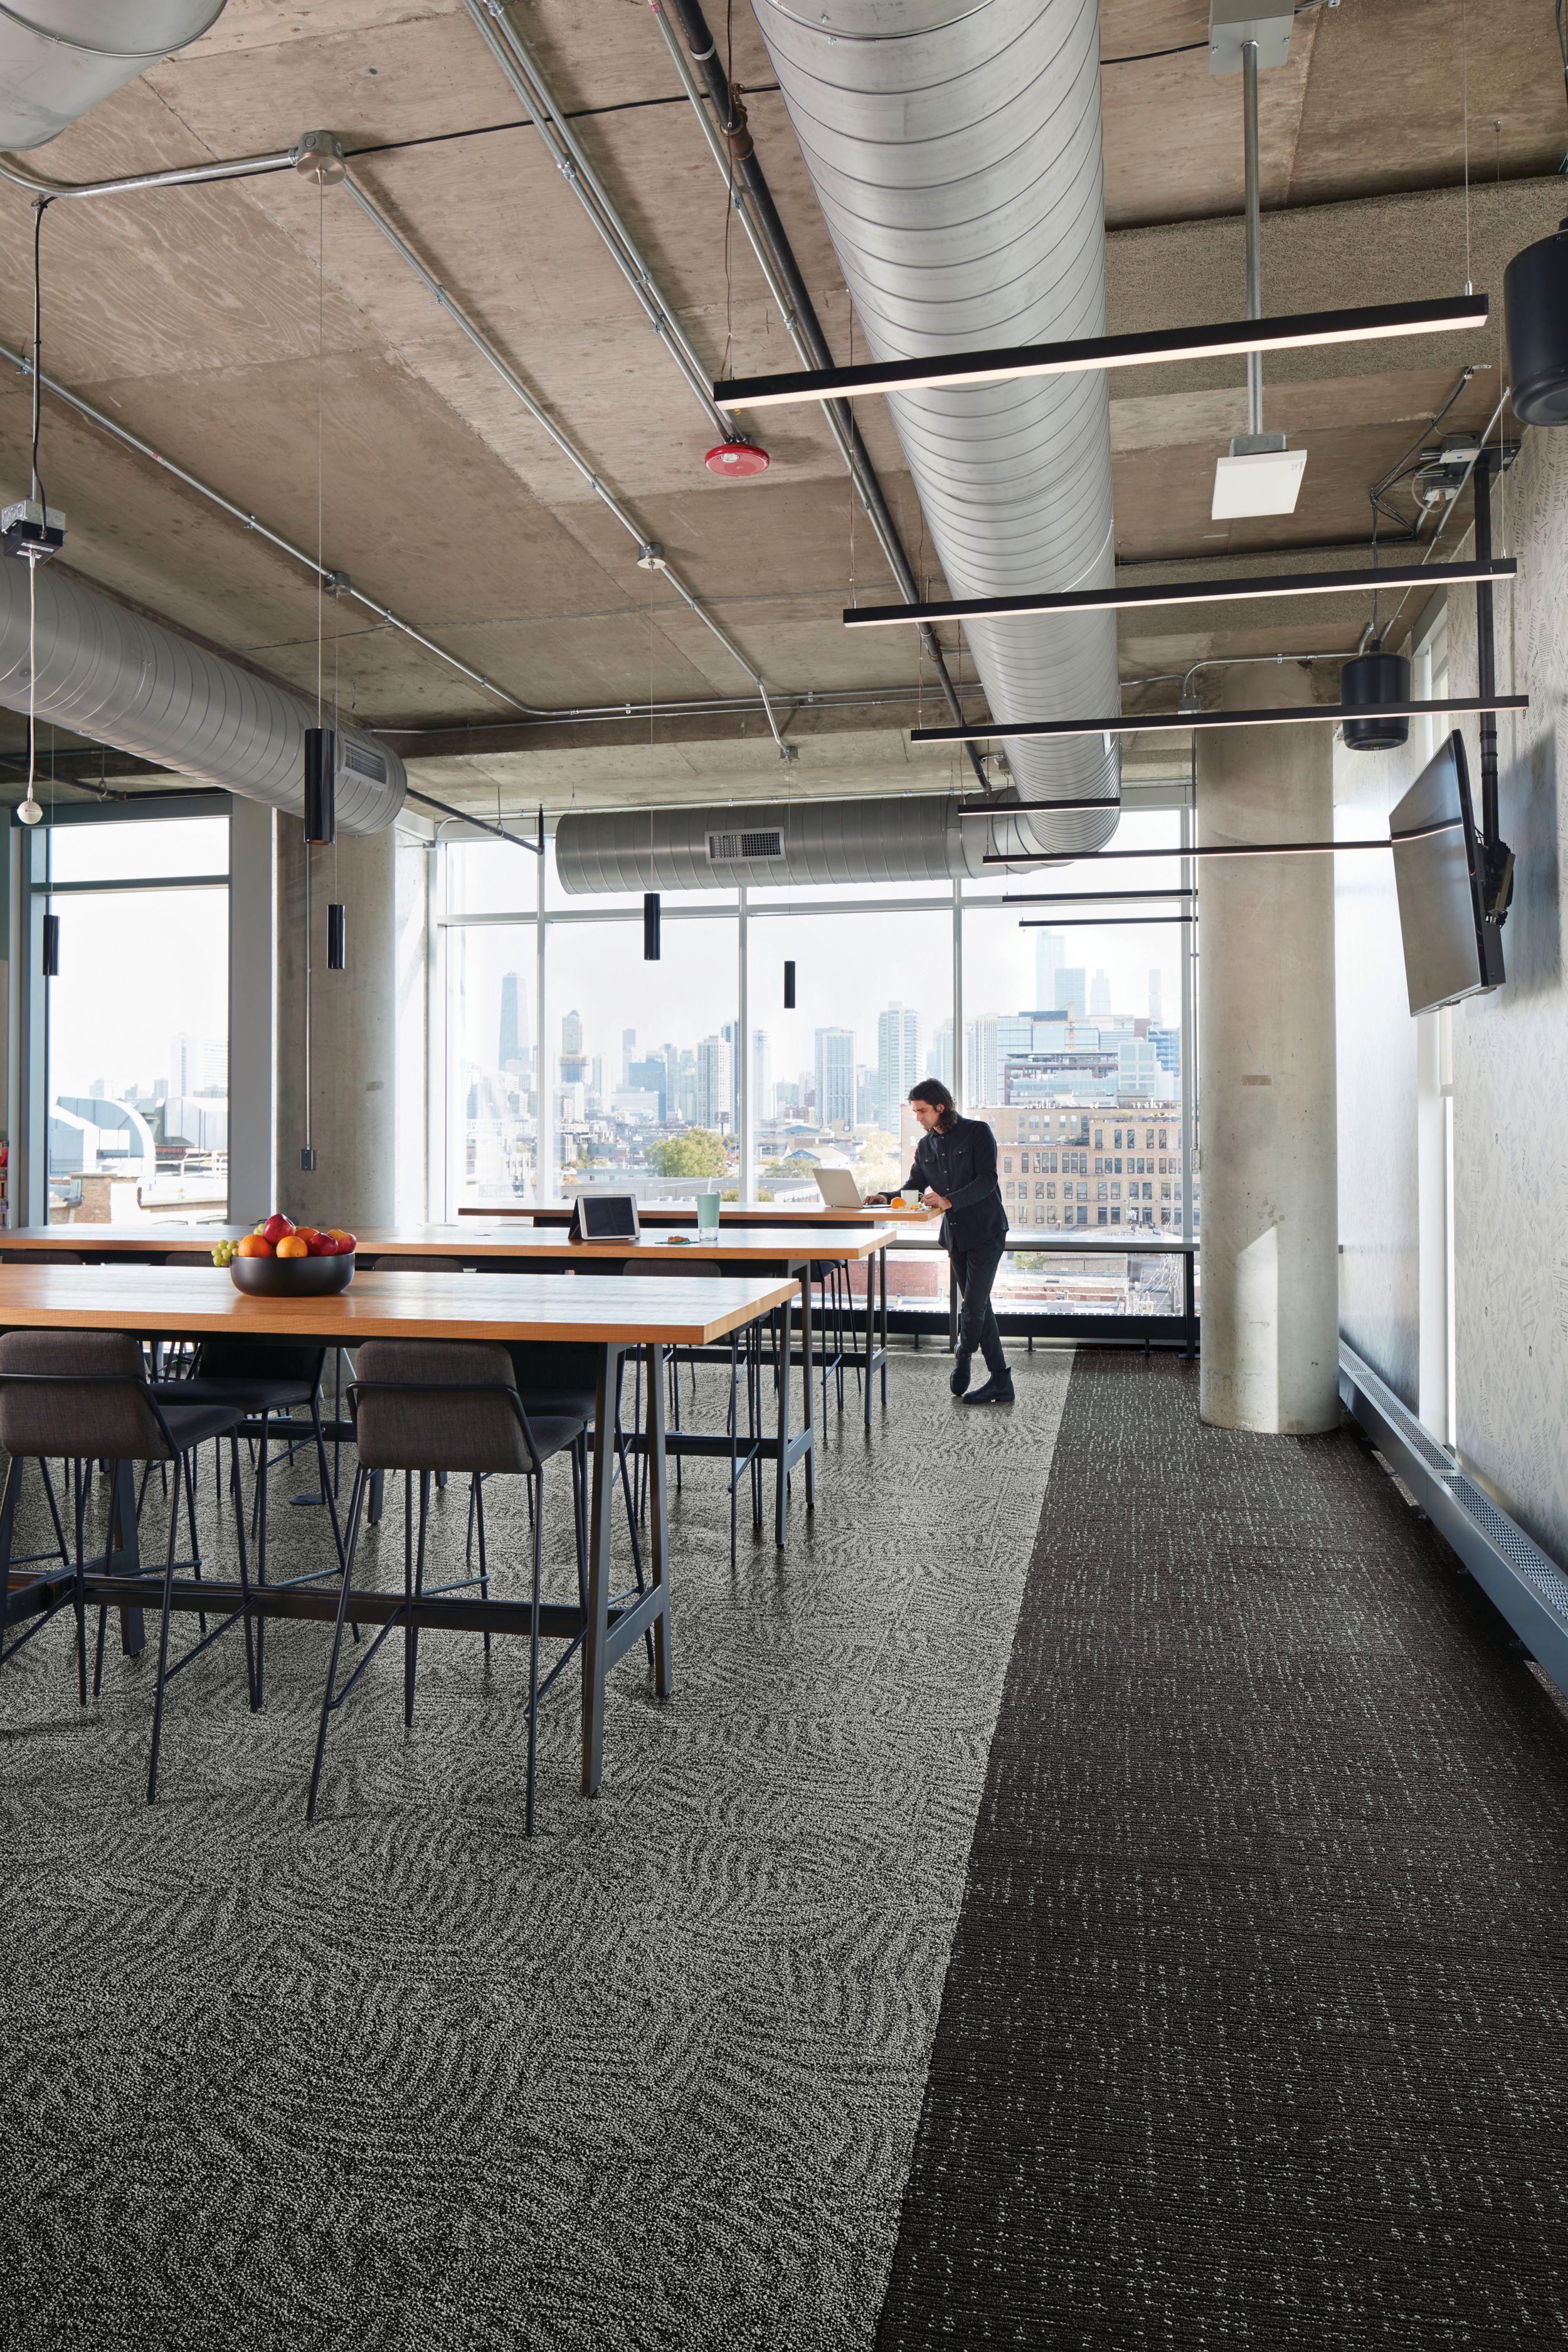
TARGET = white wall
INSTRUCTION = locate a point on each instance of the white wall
(1511, 1049)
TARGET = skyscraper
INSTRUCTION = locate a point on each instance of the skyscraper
(572, 1033)
(939, 1058)
(761, 1078)
(898, 1062)
(1099, 994)
(1155, 996)
(628, 1048)
(1069, 995)
(574, 1061)
(715, 1085)
(836, 1077)
(513, 1022)
(1048, 951)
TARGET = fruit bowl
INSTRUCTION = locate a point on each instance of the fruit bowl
(292, 1277)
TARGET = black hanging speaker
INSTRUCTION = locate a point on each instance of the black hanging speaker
(1375, 678)
(650, 939)
(337, 938)
(51, 946)
(1535, 297)
(321, 786)
(789, 988)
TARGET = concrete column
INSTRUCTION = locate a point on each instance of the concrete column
(354, 1031)
(1265, 1070)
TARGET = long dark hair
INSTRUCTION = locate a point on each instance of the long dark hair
(933, 1091)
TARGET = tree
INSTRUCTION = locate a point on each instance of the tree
(697, 1153)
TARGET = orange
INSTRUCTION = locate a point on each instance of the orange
(293, 1245)
(254, 1246)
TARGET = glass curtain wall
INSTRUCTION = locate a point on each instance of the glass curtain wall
(136, 1062)
(691, 1072)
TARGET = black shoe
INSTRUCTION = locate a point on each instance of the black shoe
(960, 1379)
(998, 1389)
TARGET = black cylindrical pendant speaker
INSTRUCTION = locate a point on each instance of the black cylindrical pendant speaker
(789, 988)
(1375, 678)
(337, 938)
(51, 946)
(650, 941)
(321, 786)
(1535, 296)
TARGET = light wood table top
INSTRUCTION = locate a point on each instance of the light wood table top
(600, 1311)
(764, 1243)
(766, 1212)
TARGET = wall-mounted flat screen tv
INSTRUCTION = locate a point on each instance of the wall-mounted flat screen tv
(1451, 952)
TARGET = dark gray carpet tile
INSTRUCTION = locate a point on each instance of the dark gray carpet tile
(1255, 2032)
(408, 2080)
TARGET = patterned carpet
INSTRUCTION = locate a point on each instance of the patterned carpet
(1255, 2030)
(407, 2080)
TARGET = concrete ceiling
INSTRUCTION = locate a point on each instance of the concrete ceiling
(253, 330)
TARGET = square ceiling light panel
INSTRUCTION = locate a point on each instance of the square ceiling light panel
(1261, 482)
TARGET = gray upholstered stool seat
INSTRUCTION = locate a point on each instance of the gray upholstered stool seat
(84, 1396)
(424, 1406)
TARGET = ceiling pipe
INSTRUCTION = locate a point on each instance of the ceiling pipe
(561, 440)
(517, 63)
(731, 145)
(58, 59)
(958, 166)
(104, 671)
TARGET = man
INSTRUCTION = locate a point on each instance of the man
(955, 1170)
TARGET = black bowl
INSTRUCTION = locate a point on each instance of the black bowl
(291, 1277)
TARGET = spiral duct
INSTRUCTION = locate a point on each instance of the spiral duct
(105, 672)
(60, 58)
(954, 147)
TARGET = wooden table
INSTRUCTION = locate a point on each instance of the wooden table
(608, 1313)
(755, 1250)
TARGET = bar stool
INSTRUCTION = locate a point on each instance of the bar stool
(425, 1405)
(263, 1380)
(84, 1395)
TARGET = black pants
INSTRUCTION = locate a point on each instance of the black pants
(975, 1271)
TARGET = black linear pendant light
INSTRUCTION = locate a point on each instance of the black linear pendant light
(337, 937)
(789, 988)
(650, 927)
(51, 946)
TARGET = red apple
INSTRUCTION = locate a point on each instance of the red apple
(277, 1228)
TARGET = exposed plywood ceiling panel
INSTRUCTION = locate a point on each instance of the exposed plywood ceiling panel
(211, 321)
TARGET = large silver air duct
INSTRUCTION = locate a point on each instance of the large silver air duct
(104, 672)
(59, 58)
(955, 148)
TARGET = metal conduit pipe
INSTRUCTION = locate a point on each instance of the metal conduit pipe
(179, 175)
(542, 418)
(519, 64)
(729, 144)
(60, 58)
(955, 148)
(104, 672)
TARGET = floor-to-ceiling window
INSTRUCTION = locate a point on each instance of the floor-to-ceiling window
(571, 1059)
(134, 1019)
(1074, 1053)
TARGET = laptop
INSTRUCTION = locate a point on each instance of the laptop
(837, 1188)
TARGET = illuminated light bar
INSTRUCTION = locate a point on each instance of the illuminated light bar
(1180, 591)
(1177, 721)
(1205, 849)
(1086, 354)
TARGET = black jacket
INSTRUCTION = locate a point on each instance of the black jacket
(962, 1166)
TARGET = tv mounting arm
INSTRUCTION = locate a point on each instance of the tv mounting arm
(1497, 857)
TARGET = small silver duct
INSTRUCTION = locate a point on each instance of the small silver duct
(60, 58)
(954, 147)
(105, 672)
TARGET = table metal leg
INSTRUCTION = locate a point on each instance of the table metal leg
(882, 1285)
(1189, 1303)
(658, 1523)
(870, 1331)
(123, 1552)
(783, 1321)
(807, 1369)
(602, 1474)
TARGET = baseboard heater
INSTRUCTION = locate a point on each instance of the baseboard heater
(1529, 1588)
